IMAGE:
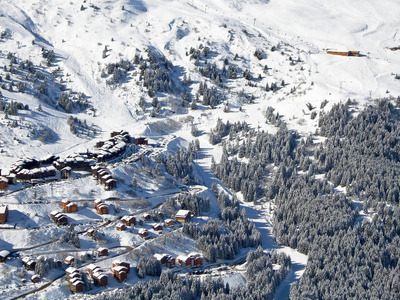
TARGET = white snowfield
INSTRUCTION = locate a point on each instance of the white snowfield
(78, 32)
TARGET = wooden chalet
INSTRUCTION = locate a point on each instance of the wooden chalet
(69, 260)
(102, 251)
(128, 220)
(3, 183)
(28, 263)
(100, 278)
(3, 255)
(343, 53)
(65, 172)
(110, 184)
(157, 227)
(184, 261)
(141, 141)
(58, 218)
(191, 260)
(120, 272)
(102, 209)
(71, 207)
(183, 216)
(64, 203)
(165, 259)
(143, 232)
(169, 222)
(90, 232)
(146, 217)
(76, 286)
(91, 269)
(97, 202)
(120, 227)
(125, 264)
(35, 278)
(70, 270)
(3, 214)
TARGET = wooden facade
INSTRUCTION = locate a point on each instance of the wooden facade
(182, 216)
(128, 220)
(71, 207)
(3, 183)
(3, 214)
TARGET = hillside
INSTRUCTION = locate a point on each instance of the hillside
(228, 75)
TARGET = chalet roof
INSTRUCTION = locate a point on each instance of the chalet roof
(35, 277)
(102, 249)
(71, 204)
(70, 270)
(91, 267)
(142, 231)
(69, 258)
(160, 256)
(65, 201)
(3, 209)
(77, 282)
(100, 275)
(97, 201)
(4, 253)
(127, 218)
(3, 179)
(168, 220)
(119, 269)
(182, 213)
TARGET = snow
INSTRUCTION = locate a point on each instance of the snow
(171, 27)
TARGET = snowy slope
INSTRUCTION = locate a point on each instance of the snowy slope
(301, 31)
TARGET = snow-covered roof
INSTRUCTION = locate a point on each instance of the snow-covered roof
(26, 259)
(91, 267)
(119, 269)
(101, 249)
(4, 253)
(183, 213)
(3, 179)
(159, 256)
(142, 231)
(168, 220)
(3, 209)
(69, 258)
(70, 270)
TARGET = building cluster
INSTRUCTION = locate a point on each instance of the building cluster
(76, 163)
(74, 278)
(104, 177)
(99, 277)
(113, 147)
(29, 169)
(101, 207)
(120, 270)
(191, 260)
(58, 218)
